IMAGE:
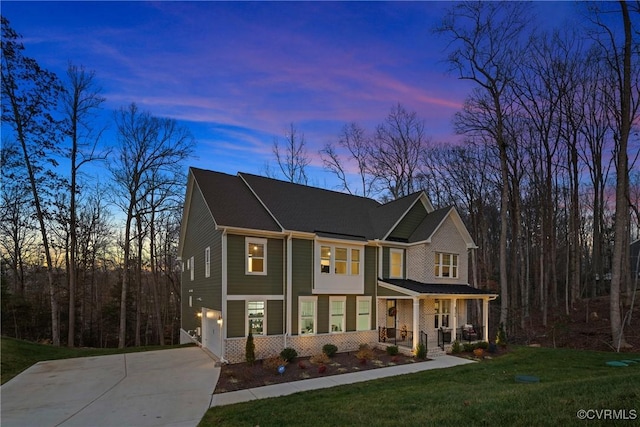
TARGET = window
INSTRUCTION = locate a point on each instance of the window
(442, 311)
(256, 255)
(336, 316)
(345, 261)
(207, 262)
(255, 313)
(355, 262)
(193, 267)
(341, 261)
(325, 259)
(396, 267)
(307, 318)
(446, 265)
(363, 321)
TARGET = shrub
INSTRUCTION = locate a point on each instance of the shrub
(492, 348)
(319, 359)
(478, 352)
(501, 336)
(250, 350)
(421, 351)
(301, 365)
(483, 345)
(272, 363)
(289, 354)
(365, 353)
(468, 347)
(392, 350)
(329, 349)
(322, 369)
(456, 347)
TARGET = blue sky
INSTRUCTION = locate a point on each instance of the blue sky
(237, 74)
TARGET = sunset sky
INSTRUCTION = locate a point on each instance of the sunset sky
(237, 74)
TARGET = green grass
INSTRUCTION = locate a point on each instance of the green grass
(476, 394)
(18, 355)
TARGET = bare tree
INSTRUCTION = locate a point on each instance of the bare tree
(619, 53)
(354, 140)
(396, 149)
(292, 157)
(485, 44)
(147, 144)
(81, 102)
(29, 98)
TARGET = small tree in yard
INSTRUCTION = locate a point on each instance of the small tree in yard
(250, 350)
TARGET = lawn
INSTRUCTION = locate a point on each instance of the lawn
(18, 355)
(484, 393)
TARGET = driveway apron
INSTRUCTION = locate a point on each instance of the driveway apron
(157, 388)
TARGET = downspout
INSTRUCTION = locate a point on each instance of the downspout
(288, 282)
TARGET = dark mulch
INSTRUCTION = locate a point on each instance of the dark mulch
(240, 376)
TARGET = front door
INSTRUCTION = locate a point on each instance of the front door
(392, 316)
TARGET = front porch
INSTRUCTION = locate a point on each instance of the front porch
(435, 319)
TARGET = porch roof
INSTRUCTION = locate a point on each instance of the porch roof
(415, 288)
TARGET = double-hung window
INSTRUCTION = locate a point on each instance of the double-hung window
(193, 267)
(396, 263)
(337, 306)
(363, 307)
(307, 315)
(256, 255)
(207, 262)
(442, 311)
(256, 317)
(446, 265)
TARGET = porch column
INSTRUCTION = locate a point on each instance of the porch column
(485, 319)
(416, 322)
(454, 309)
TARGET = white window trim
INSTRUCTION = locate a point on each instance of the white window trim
(264, 317)
(358, 300)
(440, 314)
(207, 262)
(344, 314)
(192, 269)
(314, 300)
(247, 241)
(332, 259)
(396, 251)
(439, 264)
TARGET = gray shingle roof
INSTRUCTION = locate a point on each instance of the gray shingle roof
(256, 202)
(231, 202)
(436, 288)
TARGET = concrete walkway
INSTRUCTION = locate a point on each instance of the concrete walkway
(284, 389)
(156, 388)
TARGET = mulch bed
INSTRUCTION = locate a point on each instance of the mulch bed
(240, 376)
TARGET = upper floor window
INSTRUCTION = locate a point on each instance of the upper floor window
(207, 262)
(446, 265)
(345, 261)
(396, 263)
(256, 255)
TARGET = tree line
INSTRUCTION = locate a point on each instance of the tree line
(70, 273)
(545, 174)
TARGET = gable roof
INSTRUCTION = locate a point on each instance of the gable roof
(255, 202)
(239, 208)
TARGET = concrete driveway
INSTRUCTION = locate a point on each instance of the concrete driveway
(157, 388)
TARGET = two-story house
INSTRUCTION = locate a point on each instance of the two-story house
(301, 267)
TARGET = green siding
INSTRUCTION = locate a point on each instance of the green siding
(384, 292)
(409, 222)
(236, 313)
(301, 276)
(323, 314)
(351, 313)
(201, 233)
(240, 283)
(371, 277)
(275, 317)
